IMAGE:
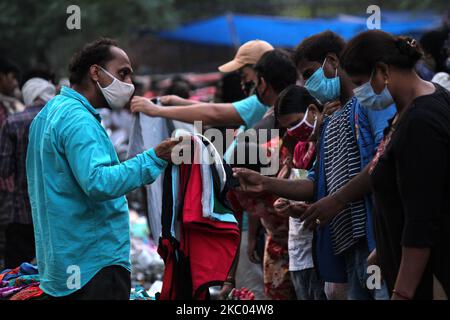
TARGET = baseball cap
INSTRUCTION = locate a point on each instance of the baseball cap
(249, 53)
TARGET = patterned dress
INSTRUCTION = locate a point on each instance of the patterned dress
(277, 279)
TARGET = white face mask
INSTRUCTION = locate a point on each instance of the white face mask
(118, 93)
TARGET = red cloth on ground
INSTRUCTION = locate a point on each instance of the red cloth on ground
(31, 292)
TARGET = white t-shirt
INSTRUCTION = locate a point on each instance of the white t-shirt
(300, 239)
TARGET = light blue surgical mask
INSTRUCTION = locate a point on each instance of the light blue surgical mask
(322, 88)
(369, 99)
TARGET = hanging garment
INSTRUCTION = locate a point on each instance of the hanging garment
(210, 245)
(147, 132)
(217, 177)
(177, 282)
(198, 251)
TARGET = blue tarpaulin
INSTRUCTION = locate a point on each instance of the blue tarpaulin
(236, 29)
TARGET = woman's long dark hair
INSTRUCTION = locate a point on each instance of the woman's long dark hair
(365, 50)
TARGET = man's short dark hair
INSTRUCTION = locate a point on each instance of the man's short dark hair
(316, 47)
(277, 69)
(7, 66)
(97, 52)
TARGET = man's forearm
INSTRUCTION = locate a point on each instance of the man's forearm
(103, 183)
(299, 190)
(183, 102)
(208, 113)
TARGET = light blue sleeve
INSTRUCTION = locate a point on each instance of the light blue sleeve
(250, 110)
(379, 120)
(89, 156)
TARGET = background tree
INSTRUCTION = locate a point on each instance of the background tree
(34, 31)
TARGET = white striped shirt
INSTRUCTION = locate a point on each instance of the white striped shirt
(342, 162)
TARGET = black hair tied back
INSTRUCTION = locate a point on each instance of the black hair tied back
(364, 51)
(409, 49)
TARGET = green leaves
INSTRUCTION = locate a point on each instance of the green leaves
(35, 32)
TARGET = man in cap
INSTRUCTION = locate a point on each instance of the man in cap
(245, 112)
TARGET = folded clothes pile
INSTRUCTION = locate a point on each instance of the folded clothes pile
(21, 283)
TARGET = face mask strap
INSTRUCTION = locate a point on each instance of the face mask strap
(114, 78)
(304, 120)
(314, 125)
(323, 65)
(107, 72)
(315, 121)
(386, 81)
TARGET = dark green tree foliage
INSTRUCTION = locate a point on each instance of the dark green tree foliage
(34, 31)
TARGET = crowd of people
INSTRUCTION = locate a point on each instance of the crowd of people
(358, 208)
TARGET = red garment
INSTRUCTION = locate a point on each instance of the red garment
(31, 292)
(211, 245)
(177, 279)
(304, 155)
(206, 250)
(167, 252)
(236, 205)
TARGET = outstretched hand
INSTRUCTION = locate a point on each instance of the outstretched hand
(249, 181)
(172, 100)
(144, 105)
(164, 149)
(287, 208)
(321, 212)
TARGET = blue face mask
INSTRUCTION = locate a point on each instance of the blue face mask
(369, 99)
(322, 88)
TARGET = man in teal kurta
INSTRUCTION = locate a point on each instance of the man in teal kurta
(77, 185)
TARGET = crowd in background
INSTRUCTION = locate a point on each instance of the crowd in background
(364, 163)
